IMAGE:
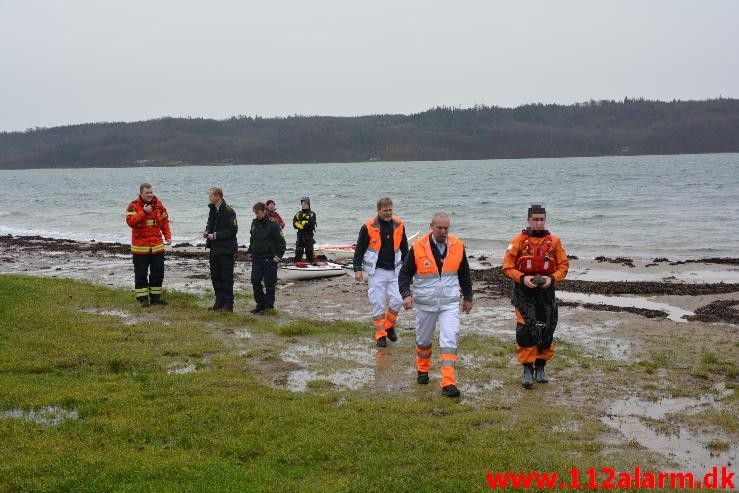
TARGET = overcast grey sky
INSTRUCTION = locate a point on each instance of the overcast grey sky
(77, 61)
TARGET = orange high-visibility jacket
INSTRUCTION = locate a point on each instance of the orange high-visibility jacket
(375, 241)
(147, 229)
(516, 249)
(433, 289)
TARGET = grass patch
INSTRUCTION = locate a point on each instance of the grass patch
(221, 428)
(718, 445)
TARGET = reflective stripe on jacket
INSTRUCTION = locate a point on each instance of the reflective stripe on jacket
(431, 289)
(147, 229)
(375, 242)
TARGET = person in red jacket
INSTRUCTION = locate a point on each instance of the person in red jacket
(149, 221)
(272, 212)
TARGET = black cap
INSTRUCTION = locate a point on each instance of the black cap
(537, 209)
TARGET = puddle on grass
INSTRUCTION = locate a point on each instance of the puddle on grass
(45, 416)
(352, 379)
(363, 358)
(686, 448)
(183, 370)
(597, 336)
(122, 314)
(673, 313)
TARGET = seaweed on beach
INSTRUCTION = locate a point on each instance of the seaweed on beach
(497, 284)
(645, 312)
(717, 311)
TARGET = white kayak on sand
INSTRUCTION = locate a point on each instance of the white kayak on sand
(301, 270)
(338, 252)
(346, 252)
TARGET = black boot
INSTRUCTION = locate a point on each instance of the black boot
(541, 375)
(157, 300)
(528, 376)
(391, 335)
(144, 301)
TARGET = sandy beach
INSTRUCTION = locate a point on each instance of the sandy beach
(620, 310)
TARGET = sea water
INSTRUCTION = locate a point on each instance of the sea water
(642, 207)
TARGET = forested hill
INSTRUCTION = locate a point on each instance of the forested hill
(536, 130)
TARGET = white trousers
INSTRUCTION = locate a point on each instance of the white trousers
(383, 284)
(448, 318)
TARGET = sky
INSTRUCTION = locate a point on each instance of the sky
(76, 61)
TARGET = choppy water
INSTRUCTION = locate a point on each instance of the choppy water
(675, 206)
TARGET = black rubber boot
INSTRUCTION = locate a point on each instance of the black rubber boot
(157, 300)
(528, 376)
(541, 375)
(422, 377)
(450, 391)
(144, 301)
(391, 335)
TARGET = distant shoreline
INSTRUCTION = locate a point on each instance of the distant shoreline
(631, 127)
(188, 165)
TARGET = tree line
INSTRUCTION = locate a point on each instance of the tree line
(595, 128)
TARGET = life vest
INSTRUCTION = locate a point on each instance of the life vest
(432, 289)
(375, 242)
(536, 260)
(147, 229)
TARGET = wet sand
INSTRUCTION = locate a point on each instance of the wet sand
(613, 309)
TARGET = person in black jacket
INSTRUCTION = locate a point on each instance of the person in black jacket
(220, 235)
(305, 222)
(266, 248)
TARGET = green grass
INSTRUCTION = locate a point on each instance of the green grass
(224, 428)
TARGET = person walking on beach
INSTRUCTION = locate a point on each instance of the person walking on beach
(305, 222)
(380, 251)
(220, 238)
(535, 260)
(266, 248)
(149, 221)
(437, 266)
(272, 212)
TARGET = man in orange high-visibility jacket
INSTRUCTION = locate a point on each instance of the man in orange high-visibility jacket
(437, 266)
(148, 220)
(380, 251)
(535, 260)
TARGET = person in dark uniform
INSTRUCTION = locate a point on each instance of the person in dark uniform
(305, 222)
(220, 235)
(266, 248)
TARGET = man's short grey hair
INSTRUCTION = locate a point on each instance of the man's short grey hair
(439, 215)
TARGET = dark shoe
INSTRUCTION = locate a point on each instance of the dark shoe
(215, 307)
(158, 301)
(450, 391)
(391, 335)
(144, 301)
(382, 342)
(422, 377)
(541, 375)
(256, 310)
(528, 376)
(227, 308)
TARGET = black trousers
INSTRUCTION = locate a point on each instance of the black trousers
(305, 243)
(222, 277)
(264, 270)
(143, 279)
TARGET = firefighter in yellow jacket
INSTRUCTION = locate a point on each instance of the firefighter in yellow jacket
(149, 221)
(535, 260)
(380, 251)
(437, 266)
